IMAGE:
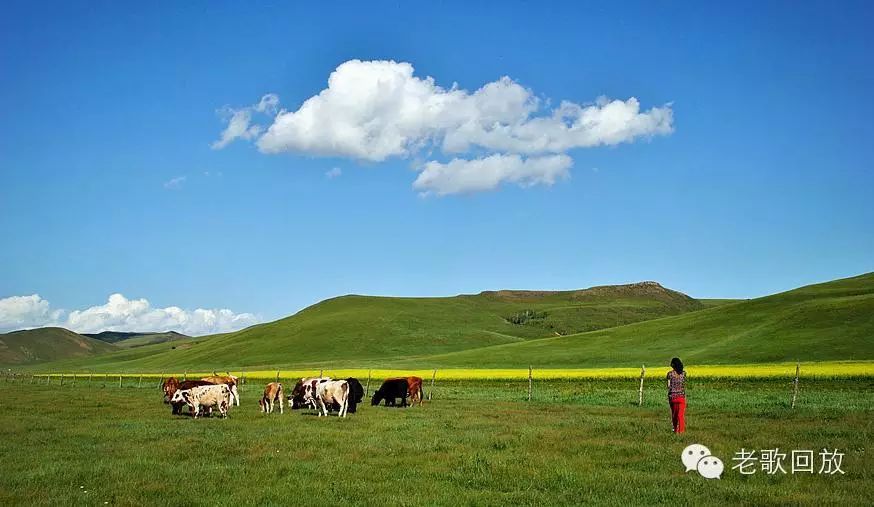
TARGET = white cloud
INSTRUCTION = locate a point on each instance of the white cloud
(375, 110)
(120, 314)
(460, 176)
(20, 312)
(334, 172)
(239, 121)
(175, 183)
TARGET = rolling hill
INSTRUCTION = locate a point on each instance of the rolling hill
(48, 344)
(127, 340)
(361, 329)
(828, 321)
(616, 326)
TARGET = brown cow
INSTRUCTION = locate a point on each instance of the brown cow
(229, 380)
(272, 393)
(172, 384)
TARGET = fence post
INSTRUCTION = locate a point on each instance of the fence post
(62, 380)
(795, 382)
(119, 381)
(161, 380)
(433, 378)
(320, 373)
(90, 377)
(640, 391)
(242, 380)
(277, 376)
(530, 383)
(367, 389)
(140, 382)
(185, 376)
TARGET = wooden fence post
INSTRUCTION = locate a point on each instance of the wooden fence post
(277, 376)
(321, 372)
(433, 378)
(185, 376)
(62, 380)
(795, 382)
(640, 390)
(161, 380)
(119, 381)
(140, 381)
(367, 389)
(90, 377)
(530, 383)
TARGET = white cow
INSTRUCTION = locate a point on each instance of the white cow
(205, 397)
(326, 393)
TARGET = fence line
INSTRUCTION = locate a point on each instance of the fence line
(135, 380)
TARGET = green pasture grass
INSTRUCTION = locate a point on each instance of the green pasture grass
(371, 329)
(830, 321)
(47, 344)
(833, 321)
(475, 443)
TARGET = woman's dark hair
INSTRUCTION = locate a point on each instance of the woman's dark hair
(677, 365)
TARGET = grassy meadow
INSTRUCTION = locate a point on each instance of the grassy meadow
(832, 321)
(475, 443)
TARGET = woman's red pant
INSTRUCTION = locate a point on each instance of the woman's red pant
(678, 414)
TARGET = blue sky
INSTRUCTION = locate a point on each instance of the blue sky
(764, 182)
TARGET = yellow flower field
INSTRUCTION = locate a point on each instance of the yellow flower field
(826, 369)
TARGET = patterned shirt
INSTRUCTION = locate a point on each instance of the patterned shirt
(676, 385)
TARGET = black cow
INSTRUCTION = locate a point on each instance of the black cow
(356, 394)
(390, 391)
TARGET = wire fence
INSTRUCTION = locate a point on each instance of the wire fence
(640, 390)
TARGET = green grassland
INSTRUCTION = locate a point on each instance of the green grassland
(367, 329)
(47, 344)
(829, 321)
(125, 340)
(833, 321)
(474, 444)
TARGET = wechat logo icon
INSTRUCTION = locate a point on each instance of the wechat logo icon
(697, 457)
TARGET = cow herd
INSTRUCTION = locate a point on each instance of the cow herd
(322, 394)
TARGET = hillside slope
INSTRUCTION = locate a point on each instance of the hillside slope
(828, 321)
(126, 340)
(48, 344)
(359, 329)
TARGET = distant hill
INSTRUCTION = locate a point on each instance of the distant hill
(827, 321)
(126, 340)
(361, 329)
(48, 344)
(622, 325)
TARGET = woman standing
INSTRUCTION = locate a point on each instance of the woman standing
(677, 395)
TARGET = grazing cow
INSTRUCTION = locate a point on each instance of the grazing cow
(327, 393)
(209, 397)
(229, 380)
(356, 394)
(172, 384)
(414, 388)
(296, 398)
(272, 393)
(391, 390)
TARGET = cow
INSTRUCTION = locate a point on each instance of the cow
(325, 394)
(172, 384)
(356, 394)
(399, 387)
(414, 388)
(209, 397)
(390, 390)
(229, 380)
(272, 393)
(296, 398)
